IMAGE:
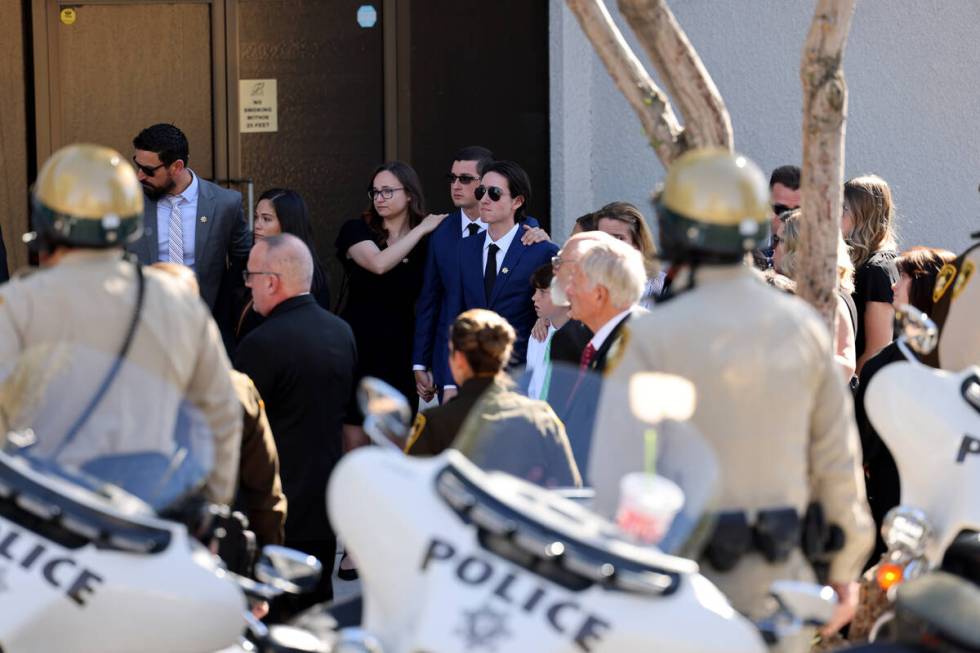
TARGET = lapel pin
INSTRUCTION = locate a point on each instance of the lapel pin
(203, 218)
(505, 271)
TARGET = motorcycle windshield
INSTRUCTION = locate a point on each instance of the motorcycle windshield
(141, 438)
(626, 446)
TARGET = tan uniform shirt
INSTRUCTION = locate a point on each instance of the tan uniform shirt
(770, 400)
(60, 330)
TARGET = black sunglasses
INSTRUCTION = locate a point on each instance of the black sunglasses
(466, 180)
(149, 171)
(780, 209)
(495, 192)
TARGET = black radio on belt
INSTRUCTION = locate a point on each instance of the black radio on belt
(776, 532)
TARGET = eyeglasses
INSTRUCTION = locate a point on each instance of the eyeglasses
(556, 262)
(780, 209)
(495, 192)
(149, 171)
(385, 193)
(248, 273)
(466, 180)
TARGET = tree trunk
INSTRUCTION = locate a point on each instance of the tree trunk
(706, 120)
(824, 117)
(650, 104)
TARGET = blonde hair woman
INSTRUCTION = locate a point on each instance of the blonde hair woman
(867, 225)
(785, 256)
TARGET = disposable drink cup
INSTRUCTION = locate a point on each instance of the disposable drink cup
(647, 505)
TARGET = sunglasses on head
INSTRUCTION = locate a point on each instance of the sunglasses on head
(149, 171)
(495, 192)
(780, 209)
(466, 180)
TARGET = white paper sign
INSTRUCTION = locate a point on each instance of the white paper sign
(259, 105)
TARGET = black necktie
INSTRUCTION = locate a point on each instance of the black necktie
(473, 228)
(490, 273)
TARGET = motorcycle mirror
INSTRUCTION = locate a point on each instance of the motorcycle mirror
(919, 331)
(386, 412)
(655, 396)
(287, 569)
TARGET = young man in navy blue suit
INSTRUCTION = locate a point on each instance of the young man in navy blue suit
(496, 266)
(442, 274)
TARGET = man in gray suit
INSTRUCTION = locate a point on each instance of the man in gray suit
(186, 219)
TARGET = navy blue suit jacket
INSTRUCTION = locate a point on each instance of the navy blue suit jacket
(433, 314)
(512, 291)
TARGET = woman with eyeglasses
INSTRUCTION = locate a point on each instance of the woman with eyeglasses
(383, 254)
(867, 224)
(283, 211)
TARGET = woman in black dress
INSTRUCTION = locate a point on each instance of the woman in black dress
(383, 254)
(918, 269)
(867, 228)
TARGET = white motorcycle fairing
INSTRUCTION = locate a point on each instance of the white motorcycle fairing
(73, 578)
(933, 432)
(483, 561)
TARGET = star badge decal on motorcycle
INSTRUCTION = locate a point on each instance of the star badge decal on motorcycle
(483, 628)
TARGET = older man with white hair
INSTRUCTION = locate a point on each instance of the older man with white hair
(603, 280)
(301, 359)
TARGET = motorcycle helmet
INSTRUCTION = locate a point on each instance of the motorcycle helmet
(86, 196)
(714, 207)
(956, 310)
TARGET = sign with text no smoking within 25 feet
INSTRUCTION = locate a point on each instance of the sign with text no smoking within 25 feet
(259, 105)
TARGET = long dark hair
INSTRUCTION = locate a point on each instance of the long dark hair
(409, 180)
(294, 218)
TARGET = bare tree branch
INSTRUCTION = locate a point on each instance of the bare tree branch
(824, 119)
(650, 104)
(706, 120)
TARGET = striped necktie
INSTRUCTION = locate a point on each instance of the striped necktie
(176, 248)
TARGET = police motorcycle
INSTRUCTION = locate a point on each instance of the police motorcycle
(103, 543)
(468, 551)
(925, 591)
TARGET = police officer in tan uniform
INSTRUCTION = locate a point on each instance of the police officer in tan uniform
(64, 328)
(769, 397)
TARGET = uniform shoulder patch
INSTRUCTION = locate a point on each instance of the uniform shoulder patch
(964, 277)
(417, 427)
(943, 281)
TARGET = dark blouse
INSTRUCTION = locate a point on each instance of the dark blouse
(873, 283)
(380, 309)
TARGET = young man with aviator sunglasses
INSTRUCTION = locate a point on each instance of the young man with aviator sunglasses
(430, 358)
(495, 266)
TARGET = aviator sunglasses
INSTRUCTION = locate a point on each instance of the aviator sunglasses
(495, 192)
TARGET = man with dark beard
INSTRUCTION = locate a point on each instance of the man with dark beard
(188, 220)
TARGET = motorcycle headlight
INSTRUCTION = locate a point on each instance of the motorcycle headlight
(907, 529)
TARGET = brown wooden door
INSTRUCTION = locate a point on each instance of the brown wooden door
(111, 69)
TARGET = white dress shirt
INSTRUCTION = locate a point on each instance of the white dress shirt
(503, 244)
(465, 222)
(188, 219)
(537, 364)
